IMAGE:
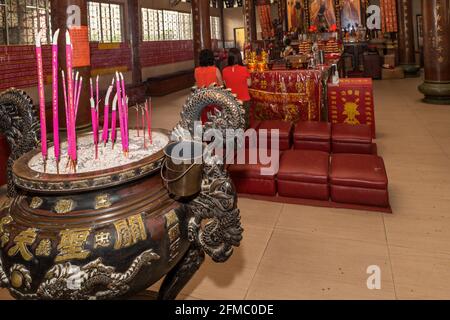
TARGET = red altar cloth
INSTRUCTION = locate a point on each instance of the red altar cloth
(351, 101)
(288, 95)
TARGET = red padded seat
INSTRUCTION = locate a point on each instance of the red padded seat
(312, 135)
(359, 179)
(347, 138)
(304, 174)
(285, 133)
(248, 177)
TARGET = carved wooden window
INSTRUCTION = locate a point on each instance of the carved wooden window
(21, 19)
(105, 22)
(165, 25)
(150, 24)
(215, 28)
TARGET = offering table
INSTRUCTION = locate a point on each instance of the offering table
(290, 95)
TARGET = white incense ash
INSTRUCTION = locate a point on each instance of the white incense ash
(107, 156)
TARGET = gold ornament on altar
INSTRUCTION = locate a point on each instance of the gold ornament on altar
(251, 61)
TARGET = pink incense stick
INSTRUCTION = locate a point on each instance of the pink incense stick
(56, 146)
(91, 88)
(149, 119)
(143, 128)
(121, 114)
(65, 103)
(40, 72)
(137, 120)
(96, 93)
(113, 121)
(124, 110)
(94, 126)
(105, 132)
(75, 88)
(70, 100)
(77, 100)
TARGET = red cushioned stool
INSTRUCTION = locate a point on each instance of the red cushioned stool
(304, 174)
(312, 135)
(248, 178)
(346, 138)
(359, 179)
(285, 133)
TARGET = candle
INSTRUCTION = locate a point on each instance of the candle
(113, 120)
(56, 146)
(40, 72)
(106, 115)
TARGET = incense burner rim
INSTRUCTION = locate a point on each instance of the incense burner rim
(34, 181)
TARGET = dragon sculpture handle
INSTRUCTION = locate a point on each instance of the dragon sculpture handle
(20, 125)
(215, 225)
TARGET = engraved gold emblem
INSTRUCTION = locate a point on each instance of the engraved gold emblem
(64, 206)
(102, 201)
(171, 218)
(22, 241)
(16, 279)
(102, 239)
(3, 222)
(44, 248)
(72, 244)
(36, 202)
(129, 231)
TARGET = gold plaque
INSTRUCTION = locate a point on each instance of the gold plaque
(22, 241)
(72, 244)
(64, 206)
(44, 248)
(102, 201)
(129, 231)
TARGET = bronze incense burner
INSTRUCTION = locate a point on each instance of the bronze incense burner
(111, 233)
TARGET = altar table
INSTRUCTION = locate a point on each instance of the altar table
(351, 102)
(289, 95)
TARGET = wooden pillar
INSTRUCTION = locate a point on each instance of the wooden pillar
(61, 11)
(201, 27)
(222, 24)
(436, 24)
(134, 37)
(250, 21)
(406, 37)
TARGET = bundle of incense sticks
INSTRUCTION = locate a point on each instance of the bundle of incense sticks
(71, 106)
(72, 85)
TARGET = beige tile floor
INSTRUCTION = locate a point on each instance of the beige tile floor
(300, 252)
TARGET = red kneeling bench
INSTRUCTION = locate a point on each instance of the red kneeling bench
(304, 174)
(359, 179)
